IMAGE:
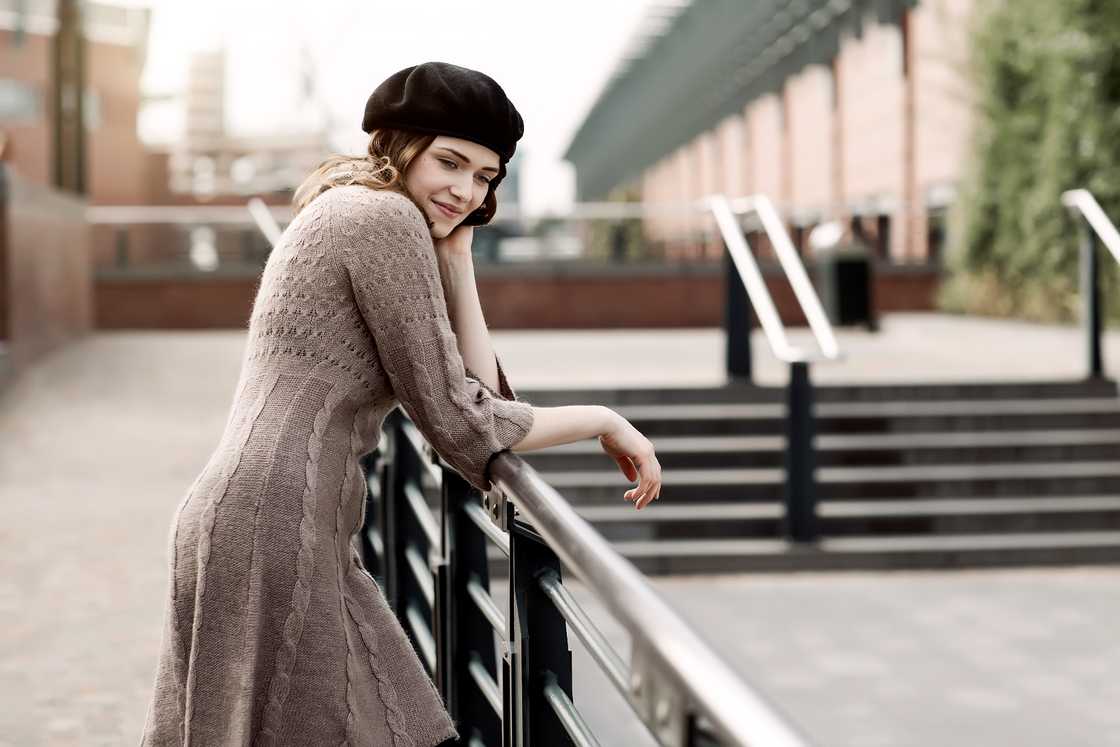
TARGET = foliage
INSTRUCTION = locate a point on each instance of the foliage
(1047, 119)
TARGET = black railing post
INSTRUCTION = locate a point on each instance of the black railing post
(801, 523)
(539, 641)
(1091, 299)
(463, 631)
(737, 322)
(396, 472)
(402, 527)
(374, 471)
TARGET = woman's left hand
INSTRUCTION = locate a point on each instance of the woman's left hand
(457, 243)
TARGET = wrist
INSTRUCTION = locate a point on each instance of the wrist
(607, 420)
(456, 271)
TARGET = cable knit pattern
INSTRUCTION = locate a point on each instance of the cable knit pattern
(301, 592)
(273, 632)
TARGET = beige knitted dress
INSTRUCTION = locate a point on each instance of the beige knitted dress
(273, 631)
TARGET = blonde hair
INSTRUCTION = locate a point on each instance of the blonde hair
(389, 153)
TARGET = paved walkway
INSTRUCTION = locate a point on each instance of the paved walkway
(101, 439)
(923, 659)
(908, 348)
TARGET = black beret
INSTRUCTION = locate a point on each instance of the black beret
(444, 99)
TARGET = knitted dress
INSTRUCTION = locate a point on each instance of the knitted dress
(274, 633)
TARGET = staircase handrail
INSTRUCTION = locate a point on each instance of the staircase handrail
(726, 212)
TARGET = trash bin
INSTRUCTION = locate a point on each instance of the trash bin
(844, 282)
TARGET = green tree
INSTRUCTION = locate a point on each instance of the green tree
(1047, 81)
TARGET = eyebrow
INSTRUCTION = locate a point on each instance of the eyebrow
(467, 160)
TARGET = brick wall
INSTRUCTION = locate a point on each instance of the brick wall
(516, 297)
(46, 287)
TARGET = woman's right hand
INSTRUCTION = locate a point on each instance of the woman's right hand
(634, 454)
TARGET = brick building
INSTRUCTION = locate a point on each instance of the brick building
(38, 96)
(849, 110)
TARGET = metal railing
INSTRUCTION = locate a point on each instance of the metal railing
(726, 212)
(191, 239)
(435, 574)
(746, 289)
(1098, 226)
(800, 522)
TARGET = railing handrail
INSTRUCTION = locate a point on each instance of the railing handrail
(658, 634)
(265, 218)
(725, 211)
(1083, 201)
(182, 214)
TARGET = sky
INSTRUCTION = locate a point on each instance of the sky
(552, 59)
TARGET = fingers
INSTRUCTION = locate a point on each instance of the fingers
(649, 485)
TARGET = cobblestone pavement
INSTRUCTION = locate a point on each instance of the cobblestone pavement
(100, 440)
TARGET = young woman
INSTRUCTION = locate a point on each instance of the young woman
(273, 632)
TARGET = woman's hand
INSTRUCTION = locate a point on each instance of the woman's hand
(456, 244)
(635, 457)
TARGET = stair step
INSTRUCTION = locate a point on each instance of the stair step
(739, 392)
(845, 441)
(860, 553)
(723, 411)
(839, 509)
(842, 545)
(958, 472)
(970, 542)
(660, 511)
(613, 478)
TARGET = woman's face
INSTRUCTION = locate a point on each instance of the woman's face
(452, 173)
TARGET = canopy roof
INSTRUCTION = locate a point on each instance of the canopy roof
(704, 63)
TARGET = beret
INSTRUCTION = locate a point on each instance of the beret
(444, 99)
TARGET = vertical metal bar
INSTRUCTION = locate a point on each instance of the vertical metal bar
(695, 736)
(393, 504)
(372, 470)
(121, 235)
(801, 524)
(464, 629)
(737, 322)
(512, 666)
(540, 640)
(1091, 299)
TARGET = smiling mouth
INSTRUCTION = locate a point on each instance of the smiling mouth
(446, 210)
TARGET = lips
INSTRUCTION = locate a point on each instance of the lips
(447, 211)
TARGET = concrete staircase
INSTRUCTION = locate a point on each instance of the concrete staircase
(908, 476)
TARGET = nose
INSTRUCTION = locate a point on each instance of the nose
(460, 192)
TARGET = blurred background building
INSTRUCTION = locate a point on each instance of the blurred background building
(845, 110)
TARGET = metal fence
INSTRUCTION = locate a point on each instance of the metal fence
(506, 674)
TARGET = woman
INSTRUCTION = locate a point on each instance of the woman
(274, 634)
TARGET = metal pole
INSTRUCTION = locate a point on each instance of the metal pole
(737, 323)
(462, 630)
(801, 523)
(1091, 298)
(540, 641)
(401, 469)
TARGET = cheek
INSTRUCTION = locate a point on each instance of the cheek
(425, 180)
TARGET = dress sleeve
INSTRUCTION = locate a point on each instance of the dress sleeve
(390, 262)
(505, 391)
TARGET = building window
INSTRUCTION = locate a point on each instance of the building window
(19, 101)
